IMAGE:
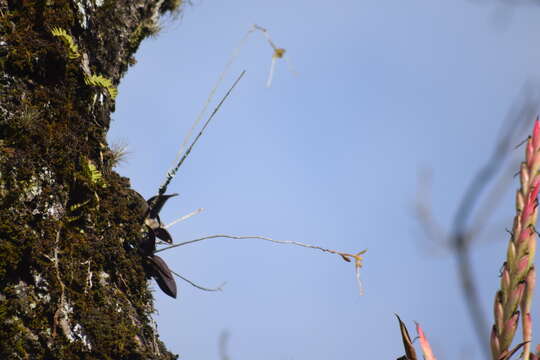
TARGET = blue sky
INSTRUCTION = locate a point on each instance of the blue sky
(331, 156)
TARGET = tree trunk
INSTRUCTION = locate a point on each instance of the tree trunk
(72, 284)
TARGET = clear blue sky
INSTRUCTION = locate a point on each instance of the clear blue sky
(330, 157)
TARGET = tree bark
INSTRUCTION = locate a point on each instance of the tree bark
(72, 284)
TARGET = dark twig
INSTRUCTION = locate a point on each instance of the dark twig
(423, 211)
(223, 342)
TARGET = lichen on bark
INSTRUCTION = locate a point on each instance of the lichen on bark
(71, 285)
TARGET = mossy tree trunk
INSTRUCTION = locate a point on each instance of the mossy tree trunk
(72, 285)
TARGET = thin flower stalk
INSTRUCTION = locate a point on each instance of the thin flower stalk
(518, 277)
(357, 258)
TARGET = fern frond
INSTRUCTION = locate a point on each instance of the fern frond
(95, 175)
(67, 39)
(75, 207)
(103, 82)
(71, 219)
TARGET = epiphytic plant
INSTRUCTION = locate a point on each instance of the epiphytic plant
(156, 267)
(518, 274)
(152, 220)
(154, 227)
(278, 53)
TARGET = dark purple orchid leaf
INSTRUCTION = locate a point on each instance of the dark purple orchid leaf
(163, 276)
(163, 234)
(138, 204)
(147, 245)
(155, 203)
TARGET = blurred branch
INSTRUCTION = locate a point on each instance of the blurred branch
(492, 200)
(466, 225)
(424, 212)
(223, 341)
(508, 2)
(504, 10)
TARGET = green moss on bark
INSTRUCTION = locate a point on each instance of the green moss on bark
(71, 287)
